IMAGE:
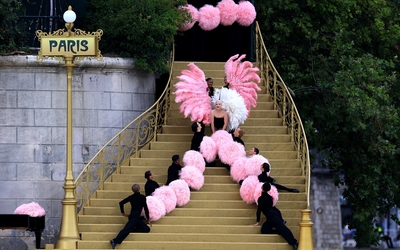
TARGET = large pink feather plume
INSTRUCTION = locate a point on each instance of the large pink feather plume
(230, 151)
(32, 209)
(182, 192)
(243, 78)
(247, 189)
(193, 12)
(156, 208)
(228, 12)
(221, 137)
(246, 13)
(208, 148)
(194, 158)
(258, 191)
(191, 90)
(253, 164)
(167, 196)
(208, 17)
(238, 169)
(193, 177)
(273, 192)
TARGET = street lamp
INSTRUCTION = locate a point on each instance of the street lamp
(69, 47)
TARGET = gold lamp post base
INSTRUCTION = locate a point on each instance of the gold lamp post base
(306, 239)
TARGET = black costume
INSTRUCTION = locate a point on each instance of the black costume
(273, 224)
(236, 139)
(135, 224)
(219, 123)
(197, 136)
(150, 186)
(263, 177)
(211, 91)
(173, 173)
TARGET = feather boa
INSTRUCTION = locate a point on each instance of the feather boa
(228, 12)
(32, 209)
(193, 12)
(194, 158)
(209, 17)
(182, 192)
(229, 152)
(253, 164)
(193, 177)
(167, 196)
(209, 149)
(248, 188)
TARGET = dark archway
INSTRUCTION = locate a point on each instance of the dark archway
(216, 45)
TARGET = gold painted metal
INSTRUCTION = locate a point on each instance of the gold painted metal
(69, 51)
(306, 241)
(126, 144)
(284, 103)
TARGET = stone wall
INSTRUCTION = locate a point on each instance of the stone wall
(107, 95)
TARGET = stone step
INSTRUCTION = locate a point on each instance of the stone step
(249, 138)
(185, 146)
(180, 121)
(269, 130)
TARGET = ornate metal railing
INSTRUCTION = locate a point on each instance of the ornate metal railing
(284, 103)
(122, 146)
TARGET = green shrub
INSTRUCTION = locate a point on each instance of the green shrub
(12, 34)
(142, 29)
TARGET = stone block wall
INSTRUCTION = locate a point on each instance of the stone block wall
(107, 95)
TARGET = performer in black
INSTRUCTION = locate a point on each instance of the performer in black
(150, 185)
(263, 177)
(173, 170)
(135, 224)
(237, 135)
(198, 130)
(273, 224)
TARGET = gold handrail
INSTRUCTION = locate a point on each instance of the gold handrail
(284, 103)
(123, 145)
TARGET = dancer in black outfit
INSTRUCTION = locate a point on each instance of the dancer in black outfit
(135, 224)
(210, 88)
(198, 129)
(237, 135)
(263, 177)
(174, 169)
(150, 185)
(273, 224)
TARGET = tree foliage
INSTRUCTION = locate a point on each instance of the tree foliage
(142, 29)
(340, 59)
(11, 32)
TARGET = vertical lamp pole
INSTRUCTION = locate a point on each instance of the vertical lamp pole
(69, 47)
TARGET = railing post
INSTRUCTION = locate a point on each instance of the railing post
(119, 154)
(306, 241)
(156, 125)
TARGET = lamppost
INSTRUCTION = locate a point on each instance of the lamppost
(69, 47)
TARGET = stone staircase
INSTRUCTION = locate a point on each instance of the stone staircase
(215, 217)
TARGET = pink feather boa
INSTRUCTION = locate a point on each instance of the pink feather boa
(253, 164)
(208, 148)
(228, 12)
(230, 151)
(182, 192)
(238, 169)
(167, 195)
(193, 177)
(208, 17)
(32, 209)
(193, 12)
(221, 137)
(194, 158)
(156, 208)
(246, 13)
(247, 189)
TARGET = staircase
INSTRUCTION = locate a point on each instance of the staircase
(216, 217)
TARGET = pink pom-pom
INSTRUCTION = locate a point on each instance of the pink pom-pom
(229, 152)
(246, 13)
(193, 12)
(182, 192)
(253, 164)
(238, 169)
(274, 194)
(32, 209)
(156, 208)
(228, 12)
(208, 17)
(193, 177)
(167, 196)
(221, 137)
(208, 148)
(258, 191)
(247, 189)
(194, 158)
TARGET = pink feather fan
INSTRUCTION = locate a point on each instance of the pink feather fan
(193, 13)
(156, 208)
(208, 148)
(32, 209)
(191, 90)
(253, 164)
(208, 17)
(167, 196)
(228, 12)
(193, 177)
(238, 169)
(243, 78)
(194, 158)
(221, 137)
(230, 151)
(182, 192)
(246, 13)
(248, 188)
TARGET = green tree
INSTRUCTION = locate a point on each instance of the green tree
(340, 59)
(11, 32)
(142, 29)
